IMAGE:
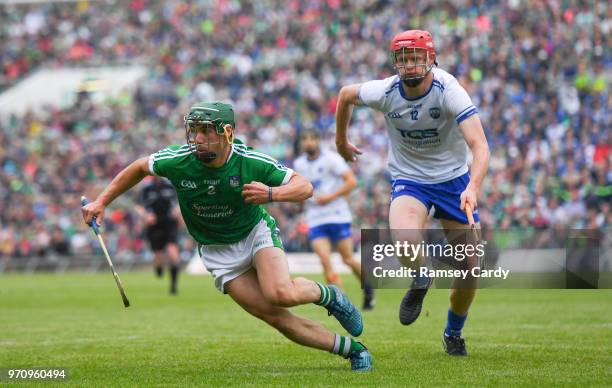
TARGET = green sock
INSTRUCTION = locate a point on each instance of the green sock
(345, 345)
(327, 295)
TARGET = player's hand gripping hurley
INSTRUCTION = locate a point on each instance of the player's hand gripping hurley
(475, 235)
(94, 227)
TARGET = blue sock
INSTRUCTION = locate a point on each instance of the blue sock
(454, 324)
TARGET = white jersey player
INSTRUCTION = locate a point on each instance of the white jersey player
(431, 122)
(327, 213)
(425, 143)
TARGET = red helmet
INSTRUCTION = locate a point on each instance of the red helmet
(414, 39)
(409, 42)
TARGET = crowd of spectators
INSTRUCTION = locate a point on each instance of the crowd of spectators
(538, 71)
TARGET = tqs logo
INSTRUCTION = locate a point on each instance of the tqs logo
(188, 184)
(419, 134)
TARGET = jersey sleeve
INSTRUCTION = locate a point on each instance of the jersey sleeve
(268, 170)
(458, 103)
(161, 162)
(372, 94)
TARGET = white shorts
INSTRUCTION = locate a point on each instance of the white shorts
(228, 261)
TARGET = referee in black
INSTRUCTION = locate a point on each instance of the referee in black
(160, 214)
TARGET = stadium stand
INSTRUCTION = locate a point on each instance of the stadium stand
(538, 71)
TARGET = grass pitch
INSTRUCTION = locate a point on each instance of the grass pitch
(200, 337)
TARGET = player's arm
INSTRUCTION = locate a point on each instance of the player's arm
(125, 180)
(474, 136)
(297, 189)
(350, 182)
(176, 213)
(347, 99)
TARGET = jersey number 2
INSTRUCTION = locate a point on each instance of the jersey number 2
(211, 190)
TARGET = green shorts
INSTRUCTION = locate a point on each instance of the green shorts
(228, 261)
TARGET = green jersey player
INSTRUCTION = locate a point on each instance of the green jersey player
(221, 185)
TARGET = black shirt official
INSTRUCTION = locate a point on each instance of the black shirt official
(159, 199)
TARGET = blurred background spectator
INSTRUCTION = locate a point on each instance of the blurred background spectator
(539, 72)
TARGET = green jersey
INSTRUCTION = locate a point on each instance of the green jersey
(210, 198)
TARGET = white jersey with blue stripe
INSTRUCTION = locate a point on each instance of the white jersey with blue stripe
(325, 173)
(426, 144)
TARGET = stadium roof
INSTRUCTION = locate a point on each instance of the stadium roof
(59, 87)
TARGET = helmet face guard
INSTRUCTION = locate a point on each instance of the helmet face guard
(412, 64)
(203, 150)
(209, 119)
(413, 55)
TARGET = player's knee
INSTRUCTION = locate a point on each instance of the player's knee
(282, 296)
(412, 211)
(347, 259)
(410, 235)
(260, 314)
(274, 320)
(268, 315)
(410, 220)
